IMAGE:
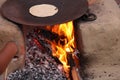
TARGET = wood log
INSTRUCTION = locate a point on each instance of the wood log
(75, 73)
(73, 61)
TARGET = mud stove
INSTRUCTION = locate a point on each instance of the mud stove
(53, 42)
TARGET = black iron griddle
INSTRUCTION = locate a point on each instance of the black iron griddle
(18, 11)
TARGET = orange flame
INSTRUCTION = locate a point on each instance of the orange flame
(65, 44)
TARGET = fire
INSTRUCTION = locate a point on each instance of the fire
(65, 44)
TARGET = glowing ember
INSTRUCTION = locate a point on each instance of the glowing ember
(65, 44)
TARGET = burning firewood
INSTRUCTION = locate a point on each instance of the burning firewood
(39, 65)
(74, 66)
(47, 34)
(43, 48)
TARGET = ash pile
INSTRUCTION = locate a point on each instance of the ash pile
(39, 63)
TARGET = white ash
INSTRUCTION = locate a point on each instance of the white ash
(38, 65)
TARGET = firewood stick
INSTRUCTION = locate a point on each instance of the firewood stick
(5, 74)
(73, 61)
(76, 70)
(75, 73)
(52, 36)
(49, 35)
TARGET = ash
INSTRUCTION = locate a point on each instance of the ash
(39, 64)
